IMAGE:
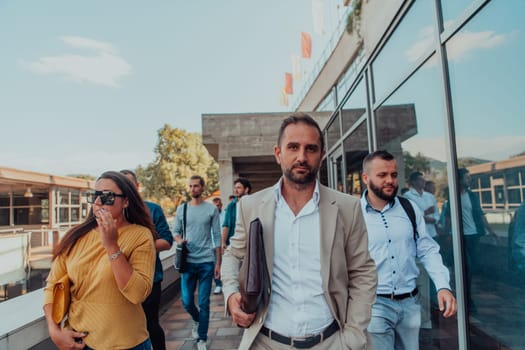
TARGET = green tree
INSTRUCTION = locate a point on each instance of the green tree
(417, 163)
(179, 155)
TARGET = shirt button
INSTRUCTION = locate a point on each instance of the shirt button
(394, 272)
(392, 257)
(389, 241)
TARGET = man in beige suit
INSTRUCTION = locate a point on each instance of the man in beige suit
(321, 277)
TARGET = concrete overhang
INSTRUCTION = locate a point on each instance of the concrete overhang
(243, 144)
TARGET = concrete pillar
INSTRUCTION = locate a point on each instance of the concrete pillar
(226, 177)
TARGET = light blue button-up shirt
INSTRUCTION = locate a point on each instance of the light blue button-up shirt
(392, 246)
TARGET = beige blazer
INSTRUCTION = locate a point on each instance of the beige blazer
(348, 272)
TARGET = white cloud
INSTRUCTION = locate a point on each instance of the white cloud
(459, 47)
(466, 42)
(86, 43)
(415, 52)
(103, 67)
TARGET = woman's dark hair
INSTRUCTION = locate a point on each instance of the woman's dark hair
(136, 213)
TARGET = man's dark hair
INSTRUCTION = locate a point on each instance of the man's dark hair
(216, 200)
(244, 182)
(382, 154)
(414, 176)
(131, 173)
(462, 172)
(297, 118)
(198, 177)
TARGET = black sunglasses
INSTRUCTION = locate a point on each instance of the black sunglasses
(106, 197)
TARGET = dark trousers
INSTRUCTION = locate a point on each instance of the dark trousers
(471, 254)
(151, 308)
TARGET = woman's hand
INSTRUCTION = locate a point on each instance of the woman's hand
(107, 228)
(66, 339)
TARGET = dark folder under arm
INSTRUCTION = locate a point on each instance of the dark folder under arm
(253, 271)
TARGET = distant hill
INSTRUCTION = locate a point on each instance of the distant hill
(437, 164)
(469, 161)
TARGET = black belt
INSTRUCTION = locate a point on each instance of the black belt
(301, 342)
(399, 296)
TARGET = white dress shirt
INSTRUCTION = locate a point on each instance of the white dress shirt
(297, 304)
(425, 201)
(392, 246)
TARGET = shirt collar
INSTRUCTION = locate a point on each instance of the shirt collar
(415, 192)
(367, 206)
(278, 195)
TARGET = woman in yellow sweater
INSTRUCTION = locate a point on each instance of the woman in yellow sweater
(110, 260)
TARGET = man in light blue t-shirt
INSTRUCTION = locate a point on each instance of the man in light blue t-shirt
(201, 219)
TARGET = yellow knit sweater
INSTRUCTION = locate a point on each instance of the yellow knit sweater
(114, 318)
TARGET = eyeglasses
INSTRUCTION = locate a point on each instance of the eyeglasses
(106, 197)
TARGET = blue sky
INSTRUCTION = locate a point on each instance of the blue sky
(86, 85)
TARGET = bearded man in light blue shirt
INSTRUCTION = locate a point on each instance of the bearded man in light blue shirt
(396, 314)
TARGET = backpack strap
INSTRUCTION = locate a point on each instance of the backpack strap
(407, 206)
(184, 211)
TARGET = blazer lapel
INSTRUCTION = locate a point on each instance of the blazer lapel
(267, 217)
(328, 212)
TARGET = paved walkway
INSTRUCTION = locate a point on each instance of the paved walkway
(222, 334)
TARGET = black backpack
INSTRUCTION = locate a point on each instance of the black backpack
(407, 206)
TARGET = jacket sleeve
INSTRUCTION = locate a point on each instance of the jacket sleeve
(362, 282)
(161, 225)
(233, 257)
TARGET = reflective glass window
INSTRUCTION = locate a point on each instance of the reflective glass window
(487, 78)
(512, 177)
(323, 173)
(63, 196)
(354, 107)
(63, 215)
(355, 149)
(411, 40)
(333, 132)
(411, 125)
(4, 217)
(329, 103)
(75, 214)
(452, 9)
(75, 197)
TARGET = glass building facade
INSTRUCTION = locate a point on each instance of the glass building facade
(443, 92)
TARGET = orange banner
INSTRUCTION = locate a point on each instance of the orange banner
(288, 83)
(306, 45)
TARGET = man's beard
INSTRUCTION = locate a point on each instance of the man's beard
(378, 191)
(196, 195)
(302, 179)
